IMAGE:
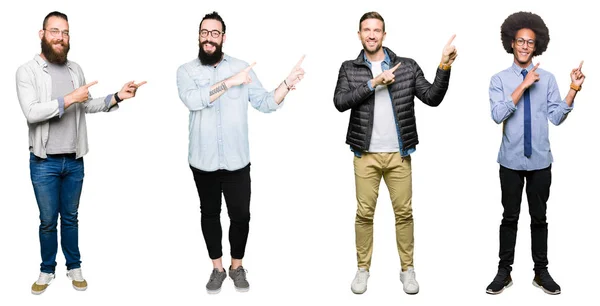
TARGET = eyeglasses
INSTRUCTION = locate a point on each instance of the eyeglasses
(530, 43)
(57, 33)
(213, 33)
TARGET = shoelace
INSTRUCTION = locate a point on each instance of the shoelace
(213, 275)
(362, 277)
(76, 275)
(45, 278)
(240, 274)
(411, 279)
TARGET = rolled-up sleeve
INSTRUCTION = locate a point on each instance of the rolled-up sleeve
(502, 106)
(261, 99)
(557, 108)
(194, 95)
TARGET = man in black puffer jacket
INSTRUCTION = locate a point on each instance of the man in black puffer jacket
(382, 133)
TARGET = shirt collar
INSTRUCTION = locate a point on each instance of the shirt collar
(517, 69)
(386, 60)
(226, 58)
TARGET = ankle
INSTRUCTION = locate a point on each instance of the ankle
(235, 263)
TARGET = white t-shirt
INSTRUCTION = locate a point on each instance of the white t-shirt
(384, 138)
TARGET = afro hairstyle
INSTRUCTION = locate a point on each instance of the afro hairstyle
(525, 20)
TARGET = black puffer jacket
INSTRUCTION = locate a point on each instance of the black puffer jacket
(352, 92)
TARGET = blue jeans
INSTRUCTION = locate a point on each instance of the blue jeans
(57, 182)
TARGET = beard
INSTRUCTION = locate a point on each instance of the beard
(59, 58)
(210, 58)
(377, 48)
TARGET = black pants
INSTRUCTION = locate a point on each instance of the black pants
(235, 187)
(538, 191)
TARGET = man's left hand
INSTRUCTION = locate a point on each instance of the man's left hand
(577, 77)
(449, 53)
(296, 75)
(129, 90)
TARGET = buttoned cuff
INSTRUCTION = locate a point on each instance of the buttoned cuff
(370, 86)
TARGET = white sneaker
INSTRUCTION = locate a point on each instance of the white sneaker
(409, 281)
(42, 283)
(79, 283)
(359, 284)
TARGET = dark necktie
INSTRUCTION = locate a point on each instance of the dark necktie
(527, 123)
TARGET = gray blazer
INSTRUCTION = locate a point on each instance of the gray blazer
(34, 90)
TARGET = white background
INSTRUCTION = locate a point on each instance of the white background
(139, 215)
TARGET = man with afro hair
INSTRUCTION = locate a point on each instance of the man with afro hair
(524, 97)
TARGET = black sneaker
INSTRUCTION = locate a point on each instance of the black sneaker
(501, 281)
(544, 281)
(239, 279)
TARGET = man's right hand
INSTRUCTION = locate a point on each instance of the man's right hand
(79, 95)
(242, 77)
(385, 78)
(531, 77)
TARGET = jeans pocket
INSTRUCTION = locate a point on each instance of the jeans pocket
(35, 159)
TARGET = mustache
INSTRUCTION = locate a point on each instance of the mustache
(58, 42)
(210, 43)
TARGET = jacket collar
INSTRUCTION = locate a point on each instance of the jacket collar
(40, 61)
(390, 56)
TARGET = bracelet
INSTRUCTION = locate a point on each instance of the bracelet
(117, 97)
(444, 66)
(575, 87)
(286, 85)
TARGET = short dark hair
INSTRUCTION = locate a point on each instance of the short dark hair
(54, 14)
(370, 15)
(525, 20)
(214, 16)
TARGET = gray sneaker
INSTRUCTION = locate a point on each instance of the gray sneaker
(239, 279)
(215, 281)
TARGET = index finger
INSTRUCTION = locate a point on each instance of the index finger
(140, 84)
(580, 64)
(395, 67)
(90, 84)
(249, 67)
(535, 67)
(300, 61)
(451, 39)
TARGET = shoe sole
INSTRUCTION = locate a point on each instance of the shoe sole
(213, 291)
(544, 289)
(79, 288)
(358, 292)
(411, 293)
(238, 289)
(500, 291)
(40, 292)
(37, 292)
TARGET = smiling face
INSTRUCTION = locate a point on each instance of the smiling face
(211, 48)
(371, 35)
(55, 40)
(523, 47)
